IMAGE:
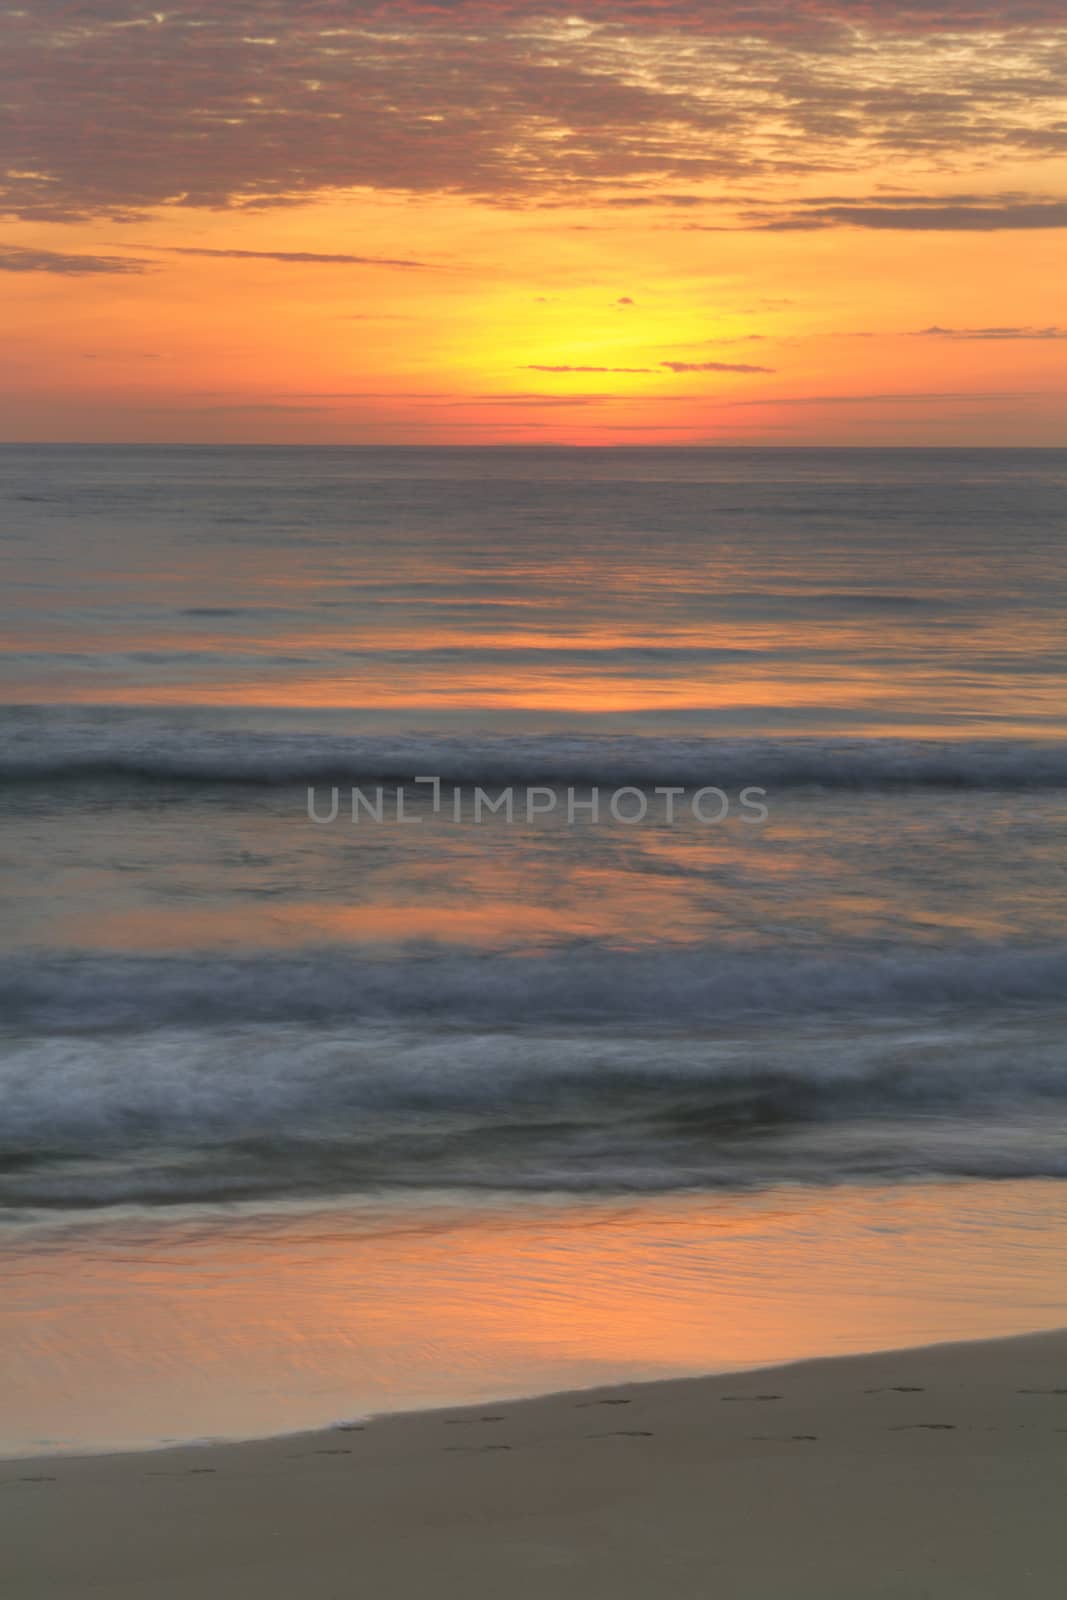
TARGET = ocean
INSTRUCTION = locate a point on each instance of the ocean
(409, 840)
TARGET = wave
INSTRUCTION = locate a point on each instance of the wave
(209, 1078)
(156, 1081)
(39, 752)
(185, 1115)
(253, 1080)
(585, 983)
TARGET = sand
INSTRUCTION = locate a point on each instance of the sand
(925, 1473)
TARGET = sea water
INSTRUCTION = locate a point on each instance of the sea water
(529, 971)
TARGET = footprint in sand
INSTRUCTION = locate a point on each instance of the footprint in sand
(623, 1433)
(475, 1449)
(786, 1439)
(185, 1472)
(897, 1388)
(750, 1397)
(468, 1422)
(1041, 1391)
(306, 1455)
(934, 1427)
(582, 1404)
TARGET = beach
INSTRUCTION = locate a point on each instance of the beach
(924, 1473)
(533, 762)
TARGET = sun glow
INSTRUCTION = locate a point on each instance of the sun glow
(554, 230)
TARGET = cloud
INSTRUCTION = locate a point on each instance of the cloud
(112, 109)
(940, 219)
(881, 397)
(14, 258)
(300, 257)
(539, 367)
(720, 342)
(257, 405)
(640, 201)
(713, 366)
(446, 400)
(658, 371)
(918, 213)
(995, 334)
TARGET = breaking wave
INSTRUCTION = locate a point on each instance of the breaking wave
(242, 1112)
(33, 752)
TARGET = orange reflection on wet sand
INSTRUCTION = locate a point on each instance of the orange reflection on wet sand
(231, 1324)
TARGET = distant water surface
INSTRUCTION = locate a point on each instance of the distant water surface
(709, 591)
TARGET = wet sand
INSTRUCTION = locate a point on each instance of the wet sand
(924, 1473)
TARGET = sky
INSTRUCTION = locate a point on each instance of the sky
(792, 222)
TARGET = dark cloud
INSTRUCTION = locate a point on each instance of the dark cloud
(930, 219)
(111, 109)
(640, 201)
(965, 213)
(994, 334)
(14, 258)
(786, 17)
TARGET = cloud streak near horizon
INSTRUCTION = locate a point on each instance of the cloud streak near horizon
(714, 366)
(992, 334)
(65, 263)
(293, 257)
(18, 258)
(660, 370)
(919, 213)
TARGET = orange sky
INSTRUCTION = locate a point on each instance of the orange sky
(400, 223)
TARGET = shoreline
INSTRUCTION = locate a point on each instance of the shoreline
(363, 1422)
(159, 1331)
(904, 1473)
